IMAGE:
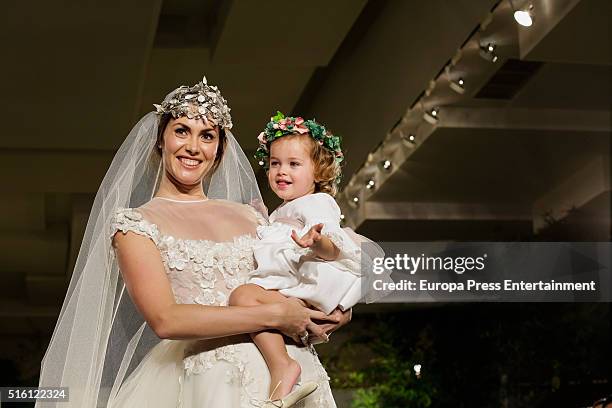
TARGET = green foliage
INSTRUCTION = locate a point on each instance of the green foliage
(473, 355)
(388, 378)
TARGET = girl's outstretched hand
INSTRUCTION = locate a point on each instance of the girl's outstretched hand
(310, 238)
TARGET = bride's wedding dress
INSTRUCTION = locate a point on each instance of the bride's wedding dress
(207, 250)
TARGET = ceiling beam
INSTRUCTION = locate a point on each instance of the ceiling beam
(376, 210)
(572, 193)
(523, 119)
(547, 19)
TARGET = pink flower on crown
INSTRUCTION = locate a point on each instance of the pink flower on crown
(262, 138)
(282, 124)
(301, 129)
(299, 126)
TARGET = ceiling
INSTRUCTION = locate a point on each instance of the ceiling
(74, 84)
(529, 137)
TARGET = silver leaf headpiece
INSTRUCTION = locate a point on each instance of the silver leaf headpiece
(201, 101)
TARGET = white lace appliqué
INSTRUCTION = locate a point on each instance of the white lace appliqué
(127, 219)
(199, 363)
(204, 272)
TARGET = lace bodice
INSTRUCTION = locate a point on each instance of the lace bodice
(202, 271)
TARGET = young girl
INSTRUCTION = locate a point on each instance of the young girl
(304, 252)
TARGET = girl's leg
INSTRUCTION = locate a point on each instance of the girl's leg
(271, 344)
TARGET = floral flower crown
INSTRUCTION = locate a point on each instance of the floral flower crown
(280, 126)
(201, 101)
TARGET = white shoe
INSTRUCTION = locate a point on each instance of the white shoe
(293, 397)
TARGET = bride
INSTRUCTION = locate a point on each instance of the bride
(145, 322)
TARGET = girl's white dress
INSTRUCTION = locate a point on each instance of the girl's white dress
(207, 251)
(295, 271)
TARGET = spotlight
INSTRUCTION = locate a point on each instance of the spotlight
(417, 370)
(524, 17)
(386, 165)
(458, 86)
(371, 184)
(355, 200)
(431, 116)
(487, 52)
(411, 138)
(261, 163)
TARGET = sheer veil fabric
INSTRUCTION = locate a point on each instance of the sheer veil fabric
(100, 337)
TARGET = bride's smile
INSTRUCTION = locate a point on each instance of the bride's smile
(189, 147)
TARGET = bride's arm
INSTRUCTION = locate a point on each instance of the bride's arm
(146, 281)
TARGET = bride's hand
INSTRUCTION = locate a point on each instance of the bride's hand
(294, 318)
(329, 328)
